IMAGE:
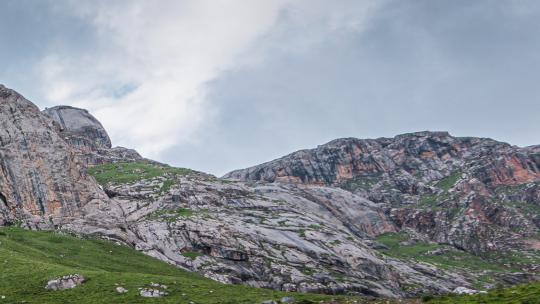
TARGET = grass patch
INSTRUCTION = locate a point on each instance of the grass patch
(444, 256)
(191, 254)
(360, 183)
(166, 186)
(125, 173)
(29, 259)
(520, 294)
(448, 182)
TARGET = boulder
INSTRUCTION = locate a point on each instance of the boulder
(65, 282)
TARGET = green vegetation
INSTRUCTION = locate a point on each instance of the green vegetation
(449, 181)
(29, 259)
(191, 254)
(520, 294)
(315, 227)
(446, 257)
(432, 201)
(166, 186)
(526, 208)
(360, 182)
(124, 173)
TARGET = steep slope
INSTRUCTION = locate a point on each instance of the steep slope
(42, 182)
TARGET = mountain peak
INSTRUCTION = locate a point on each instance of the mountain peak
(80, 127)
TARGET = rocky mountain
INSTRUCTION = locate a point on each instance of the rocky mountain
(42, 182)
(476, 194)
(415, 214)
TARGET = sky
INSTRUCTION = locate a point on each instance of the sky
(220, 85)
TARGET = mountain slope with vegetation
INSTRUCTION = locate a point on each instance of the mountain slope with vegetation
(30, 259)
(419, 214)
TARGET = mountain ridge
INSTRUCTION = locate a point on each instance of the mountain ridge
(342, 218)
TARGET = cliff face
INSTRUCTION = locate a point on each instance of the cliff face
(460, 191)
(87, 137)
(432, 155)
(80, 128)
(41, 180)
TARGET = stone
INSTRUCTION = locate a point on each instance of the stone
(152, 293)
(65, 282)
(287, 300)
(121, 289)
(464, 290)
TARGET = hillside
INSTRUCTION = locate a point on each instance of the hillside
(30, 259)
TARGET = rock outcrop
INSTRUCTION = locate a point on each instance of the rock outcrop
(85, 134)
(80, 128)
(42, 182)
(65, 282)
(474, 193)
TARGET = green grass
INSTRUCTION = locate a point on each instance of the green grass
(360, 182)
(166, 186)
(449, 258)
(125, 173)
(520, 294)
(448, 182)
(29, 259)
(191, 254)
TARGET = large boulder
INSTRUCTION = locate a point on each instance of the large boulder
(79, 127)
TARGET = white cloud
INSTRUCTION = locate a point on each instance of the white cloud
(145, 79)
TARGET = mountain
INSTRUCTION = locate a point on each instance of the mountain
(476, 194)
(417, 214)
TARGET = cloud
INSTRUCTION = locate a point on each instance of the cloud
(146, 73)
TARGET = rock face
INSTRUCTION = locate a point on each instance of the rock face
(65, 282)
(474, 193)
(79, 127)
(42, 182)
(85, 134)
(433, 155)
(313, 221)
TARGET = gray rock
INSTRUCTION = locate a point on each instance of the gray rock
(152, 293)
(65, 282)
(464, 290)
(121, 289)
(79, 127)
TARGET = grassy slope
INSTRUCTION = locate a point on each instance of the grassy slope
(29, 259)
(522, 294)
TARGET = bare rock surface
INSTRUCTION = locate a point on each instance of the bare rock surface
(65, 282)
(152, 293)
(79, 127)
(41, 180)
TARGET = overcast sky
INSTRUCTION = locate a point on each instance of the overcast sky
(219, 85)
